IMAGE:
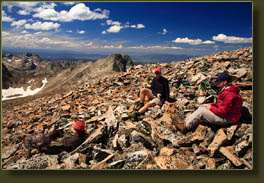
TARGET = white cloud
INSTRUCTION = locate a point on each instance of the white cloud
(231, 39)
(187, 40)
(208, 42)
(120, 46)
(81, 32)
(192, 41)
(77, 12)
(155, 47)
(69, 3)
(27, 6)
(42, 26)
(112, 47)
(114, 29)
(69, 31)
(45, 40)
(24, 32)
(23, 12)
(164, 31)
(116, 26)
(18, 23)
(38, 33)
(140, 26)
(6, 18)
(111, 22)
(98, 9)
(5, 33)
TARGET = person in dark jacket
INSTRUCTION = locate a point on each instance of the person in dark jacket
(226, 110)
(158, 94)
(71, 143)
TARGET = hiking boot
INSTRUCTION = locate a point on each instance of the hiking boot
(181, 126)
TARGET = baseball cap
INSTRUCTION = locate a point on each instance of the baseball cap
(79, 126)
(223, 77)
(157, 70)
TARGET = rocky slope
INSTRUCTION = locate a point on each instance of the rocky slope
(152, 142)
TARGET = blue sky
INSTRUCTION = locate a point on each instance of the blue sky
(196, 28)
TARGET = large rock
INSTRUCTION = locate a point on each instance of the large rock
(219, 138)
(231, 156)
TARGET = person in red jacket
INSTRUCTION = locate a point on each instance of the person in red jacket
(226, 110)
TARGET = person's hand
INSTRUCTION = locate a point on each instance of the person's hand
(159, 95)
(208, 106)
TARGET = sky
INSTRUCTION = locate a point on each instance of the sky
(192, 28)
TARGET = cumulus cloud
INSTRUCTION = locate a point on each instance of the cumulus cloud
(6, 18)
(24, 32)
(42, 26)
(110, 22)
(26, 6)
(69, 3)
(192, 41)
(42, 40)
(81, 32)
(18, 23)
(138, 26)
(187, 40)
(164, 31)
(115, 28)
(23, 12)
(231, 39)
(208, 42)
(69, 31)
(155, 47)
(47, 40)
(112, 47)
(77, 12)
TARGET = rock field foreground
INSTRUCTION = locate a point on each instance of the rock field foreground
(152, 142)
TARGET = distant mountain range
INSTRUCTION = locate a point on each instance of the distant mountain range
(26, 74)
(138, 58)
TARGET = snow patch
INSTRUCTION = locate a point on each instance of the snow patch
(20, 92)
(31, 81)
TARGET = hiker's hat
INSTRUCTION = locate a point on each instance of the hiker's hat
(157, 70)
(224, 77)
(79, 126)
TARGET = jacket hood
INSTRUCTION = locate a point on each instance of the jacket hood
(233, 89)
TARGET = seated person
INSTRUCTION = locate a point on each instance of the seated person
(71, 143)
(158, 94)
(226, 110)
